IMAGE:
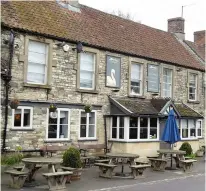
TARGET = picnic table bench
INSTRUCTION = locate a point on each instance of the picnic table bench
(106, 170)
(158, 164)
(17, 178)
(137, 170)
(102, 161)
(57, 180)
(186, 164)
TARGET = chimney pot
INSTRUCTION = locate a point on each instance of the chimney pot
(177, 26)
(199, 38)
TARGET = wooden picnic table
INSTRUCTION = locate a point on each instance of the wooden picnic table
(122, 156)
(31, 163)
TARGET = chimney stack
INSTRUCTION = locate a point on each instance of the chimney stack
(177, 26)
(199, 38)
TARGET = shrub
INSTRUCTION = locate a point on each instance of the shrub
(71, 158)
(186, 147)
(11, 159)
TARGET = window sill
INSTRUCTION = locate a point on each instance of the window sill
(37, 86)
(136, 96)
(21, 129)
(195, 102)
(134, 141)
(82, 140)
(57, 141)
(189, 139)
(87, 91)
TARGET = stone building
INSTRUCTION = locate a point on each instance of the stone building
(130, 73)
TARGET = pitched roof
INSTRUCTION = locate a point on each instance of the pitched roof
(158, 104)
(95, 28)
(199, 50)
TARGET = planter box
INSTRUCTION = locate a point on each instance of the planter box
(199, 154)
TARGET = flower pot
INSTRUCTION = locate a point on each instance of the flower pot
(76, 174)
(87, 110)
(13, 105)
(52, 109)
(199, 153)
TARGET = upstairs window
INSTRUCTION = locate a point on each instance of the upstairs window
(192, 87)
(153, 78)
(136, 79)
(167, 82)
(37, 63)
(87, 70)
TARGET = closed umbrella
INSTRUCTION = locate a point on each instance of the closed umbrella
(171, 133)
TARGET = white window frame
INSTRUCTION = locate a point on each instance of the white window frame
(127, 128)
(46, 65)
(118, 127)
(199, 120)
(140, 79)
(196, 78)
(58, 121)
(94, 71)
(87, 126)
(171, 84)
(22, 118)
(189, 136)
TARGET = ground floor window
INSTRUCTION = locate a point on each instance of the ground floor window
(191, 128)
(87, 125)
(22, 117)
(58, 124)
(134, 128)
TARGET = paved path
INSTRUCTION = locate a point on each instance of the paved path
(155, 181)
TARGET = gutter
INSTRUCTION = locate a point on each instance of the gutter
(7, 79)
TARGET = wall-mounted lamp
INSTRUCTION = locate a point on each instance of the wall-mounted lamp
(79, 47)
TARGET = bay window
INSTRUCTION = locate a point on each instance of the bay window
(133, 128)
(87, 125)
(192, 87)
(87, 70)
(153, 128)
(143, 128)
(22, 117)
(136, 79)
(185, 130)
(117, 128)
(58, 125)
(167, 83)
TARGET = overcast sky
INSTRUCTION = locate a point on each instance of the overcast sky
(155, 13)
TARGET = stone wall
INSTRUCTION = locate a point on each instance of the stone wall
(64, 90)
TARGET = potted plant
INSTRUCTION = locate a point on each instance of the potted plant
(14, 103)
(200, 152)
(52, 107)
(88, 108)
(71, 158)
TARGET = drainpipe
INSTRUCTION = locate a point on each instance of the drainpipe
(105, 132)
(7, 79)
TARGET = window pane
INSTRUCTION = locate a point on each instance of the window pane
(185, 133)
(36, 68)
(63, 131)
(35, 78)
(135, 90)
(143, 122)
(114, 121)
(143, 133)
(153, 78)
(52, 121)
(39, 47)
(133, 122)
(135, 72)
(37, 58)
(26, 117)
(114, 133)
(133, 132)
(83, 118)
(121, 121)
(64, 117)
(153, 122)
(17, 118)
(83, 130)
(87, 61)
(184, 123)
(121, 133)
(86, 79)
(52, 131)
(192, 133)
(92, 118)
(91, 130)
(199, 132)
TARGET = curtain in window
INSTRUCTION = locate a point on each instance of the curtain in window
(135, 87)
(87, 69)
(153, 78)
(37, 62)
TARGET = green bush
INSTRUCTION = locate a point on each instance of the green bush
(186, 147)
(71, 158)
(11, 159)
